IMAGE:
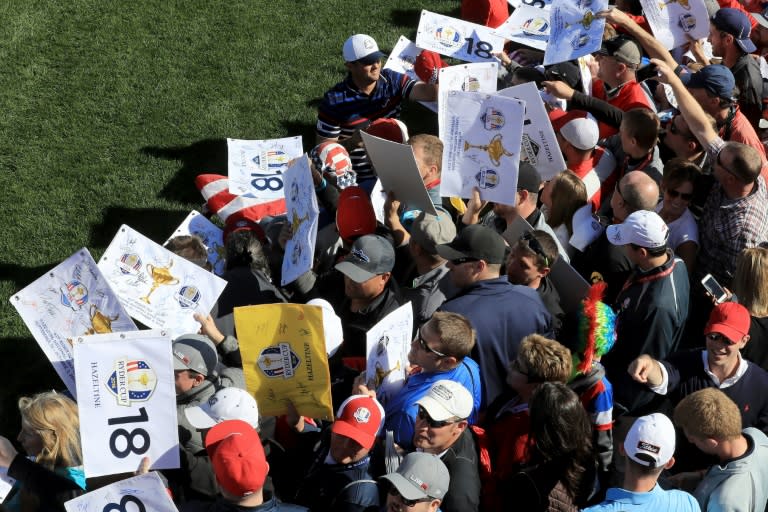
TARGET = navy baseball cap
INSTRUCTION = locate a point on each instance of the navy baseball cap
(715, 78)
(735, 22)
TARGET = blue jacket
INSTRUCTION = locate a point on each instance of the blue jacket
(502, 314)
(401, 409)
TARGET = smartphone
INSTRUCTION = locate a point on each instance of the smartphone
(646, 72)
(713, 287)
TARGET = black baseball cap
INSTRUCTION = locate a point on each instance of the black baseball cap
(475, 241)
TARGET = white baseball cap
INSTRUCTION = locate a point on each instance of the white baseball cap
(577, 127)
(226, 404)
(651, 440)
(334, 334)
(447, 399)
(642, 228)
(361, 47)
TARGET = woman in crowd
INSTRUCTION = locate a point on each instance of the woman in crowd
(750, 286)
(561, 197)
(52, 472)
(677, 190)
(561, 476)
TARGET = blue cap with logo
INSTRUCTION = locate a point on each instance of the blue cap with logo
(735, 22)
(715, 78)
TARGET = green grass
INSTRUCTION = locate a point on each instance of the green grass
(110, 110)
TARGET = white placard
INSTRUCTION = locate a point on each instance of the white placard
(255, 167)
(158, 288)
(482, 146)
(539, 145)
(387, 344)
(126, 401)
(211, 235)
(457, 38)
(674, 21)
(6, 484)
(475, 77)
(539, 4)
(574, 29)
(378, 198)
(398, 172)
(527, 25)
(301, 201)
(402, 59)
(73, 299)
(137, 494)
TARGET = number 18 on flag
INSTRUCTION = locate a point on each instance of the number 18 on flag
(127, 401)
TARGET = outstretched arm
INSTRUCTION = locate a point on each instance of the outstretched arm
(651, 45)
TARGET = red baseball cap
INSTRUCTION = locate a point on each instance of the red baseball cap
(427, 66)
(354, 214)
(730, 319)
(359, 418)
(389, 129)
(237, 457)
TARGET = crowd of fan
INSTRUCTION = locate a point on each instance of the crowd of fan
(650, 393)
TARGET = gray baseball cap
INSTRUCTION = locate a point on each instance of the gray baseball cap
(429, 230)
(420, 475)
(195, 352)
(370, 256)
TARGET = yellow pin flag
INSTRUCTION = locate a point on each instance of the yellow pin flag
(284, 359)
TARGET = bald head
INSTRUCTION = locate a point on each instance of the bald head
(637, 191)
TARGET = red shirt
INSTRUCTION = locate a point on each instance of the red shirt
(628, 96)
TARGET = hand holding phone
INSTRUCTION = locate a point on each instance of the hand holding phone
(647, 72)
(718, 293)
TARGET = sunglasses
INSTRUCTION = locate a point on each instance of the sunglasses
(535, 246)
(674, 130)
(408, 503)
(425, 347)
(717, 337)
(674, 194)
(424, 415)
(463, 260)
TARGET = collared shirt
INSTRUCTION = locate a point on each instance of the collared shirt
(728, 226)
(657, 499)
(662, 388)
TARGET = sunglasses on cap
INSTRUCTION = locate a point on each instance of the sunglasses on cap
(408, 503)
(424, 415)
(463, 260)
(534, 244)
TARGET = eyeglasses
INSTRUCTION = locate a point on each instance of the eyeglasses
(719, 162)
(618, 190)
(425, 347)
(424, 415)
(674, 130)
(408, 503)
(463, 260)
(535, 246)
(717, 337)
(674, 194)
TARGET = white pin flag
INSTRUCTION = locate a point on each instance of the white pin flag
(140, 494)
(402, 59)
(673, 22)
(256, 167)
(457, 38)
(211, 235)
(126, 401)
(73, 299)
(303, 212)
(474, 77)
(387, 345)
(482, 146)
(6, 484)
(539, 4)
(574, 29)
(539, 145)
(398, 172)
(158, 288)
(527, 25)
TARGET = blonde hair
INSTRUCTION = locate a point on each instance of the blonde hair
(568, 195)
(750, 281)
(54, 418)
(546, 360)
(709, 413)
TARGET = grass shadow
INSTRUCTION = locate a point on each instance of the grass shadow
(20, 275)
(155, 223)
(306, 130)
(201, 157)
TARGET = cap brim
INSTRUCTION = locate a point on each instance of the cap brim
(231, 427)
(179, 365)
(615, 235)
(406, 489)
(370, 59)
(729, 332)
(435, 410)
(762, 20)
(343, 428)
(199, 418)
(449, 253)
(354, 272)
(747, 45)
